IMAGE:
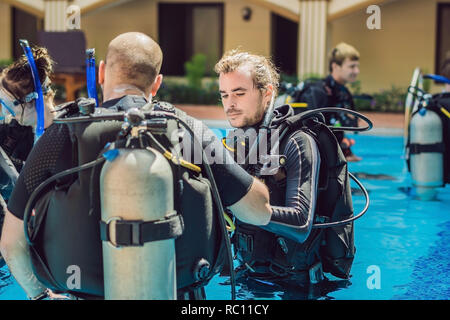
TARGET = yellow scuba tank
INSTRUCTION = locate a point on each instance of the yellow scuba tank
(137, 187)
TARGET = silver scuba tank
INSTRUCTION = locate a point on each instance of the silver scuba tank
(427, 166)
(137, 185)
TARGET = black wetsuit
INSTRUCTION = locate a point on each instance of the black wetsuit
(293, 194)
(329, 93)
(16, 142)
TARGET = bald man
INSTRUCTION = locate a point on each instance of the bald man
(129, 77)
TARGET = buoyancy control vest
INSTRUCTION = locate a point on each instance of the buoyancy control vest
(65, 226)
(333, 246)
(314, 94)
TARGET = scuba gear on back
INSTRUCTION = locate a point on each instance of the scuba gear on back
(318, 93)
(333, 215)
(204, 235)
(432, 111)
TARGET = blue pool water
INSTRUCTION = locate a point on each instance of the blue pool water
(406, 240)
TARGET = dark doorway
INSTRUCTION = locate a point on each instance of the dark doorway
(442, 35)
(186, 29)
(284, 44)
(25, 26)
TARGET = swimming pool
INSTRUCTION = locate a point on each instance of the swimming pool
(403, 244)
(404, 241)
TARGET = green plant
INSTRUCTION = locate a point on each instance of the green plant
(195, 70)
(388, 100)
(289, 78)
(4, 63)
(187, 94)
(311, 76)
(426, 82)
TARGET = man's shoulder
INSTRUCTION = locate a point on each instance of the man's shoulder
(298, 138)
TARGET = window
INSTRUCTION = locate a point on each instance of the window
(284, 44)
(187, 29)
(443, 35)
(25, 26)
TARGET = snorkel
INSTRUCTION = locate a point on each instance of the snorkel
(39, 104)
(90, 75)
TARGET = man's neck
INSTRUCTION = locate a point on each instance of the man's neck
(121, 90)
(338, 79)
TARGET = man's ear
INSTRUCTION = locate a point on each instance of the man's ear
(156, 84)
(268, 94)
(269, 90)
(101, 72)
(334, 66)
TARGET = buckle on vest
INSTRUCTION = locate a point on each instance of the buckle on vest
(137, 232)
(127, 233)
(244, 242)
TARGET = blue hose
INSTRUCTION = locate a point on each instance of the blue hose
(437, 78)
(37, 87)
(90, 75)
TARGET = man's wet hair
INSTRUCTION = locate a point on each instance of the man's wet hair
(262, 69)
(136, 59)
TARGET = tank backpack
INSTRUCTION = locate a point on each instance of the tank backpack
(334, 202)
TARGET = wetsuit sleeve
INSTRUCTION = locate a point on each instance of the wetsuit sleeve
(295, 219)
(50, 152)
(233, 182)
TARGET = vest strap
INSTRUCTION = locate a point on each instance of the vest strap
(415, 148)
(137, 232)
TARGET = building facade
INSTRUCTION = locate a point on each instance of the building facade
(298, 34)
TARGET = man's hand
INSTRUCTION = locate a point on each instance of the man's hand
(56, 296)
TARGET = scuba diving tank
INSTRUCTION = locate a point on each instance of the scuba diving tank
(137, 185)
(426, 160)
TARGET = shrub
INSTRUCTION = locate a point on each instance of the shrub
(4, 63)
(187, 94)
(389, 100)
(195, 70)
(196, 91)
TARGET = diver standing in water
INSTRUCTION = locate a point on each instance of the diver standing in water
(70, 211)
(331, 91)
(306, 186)
(17, 103)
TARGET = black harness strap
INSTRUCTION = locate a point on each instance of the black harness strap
(416, 148)
(138, 232)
